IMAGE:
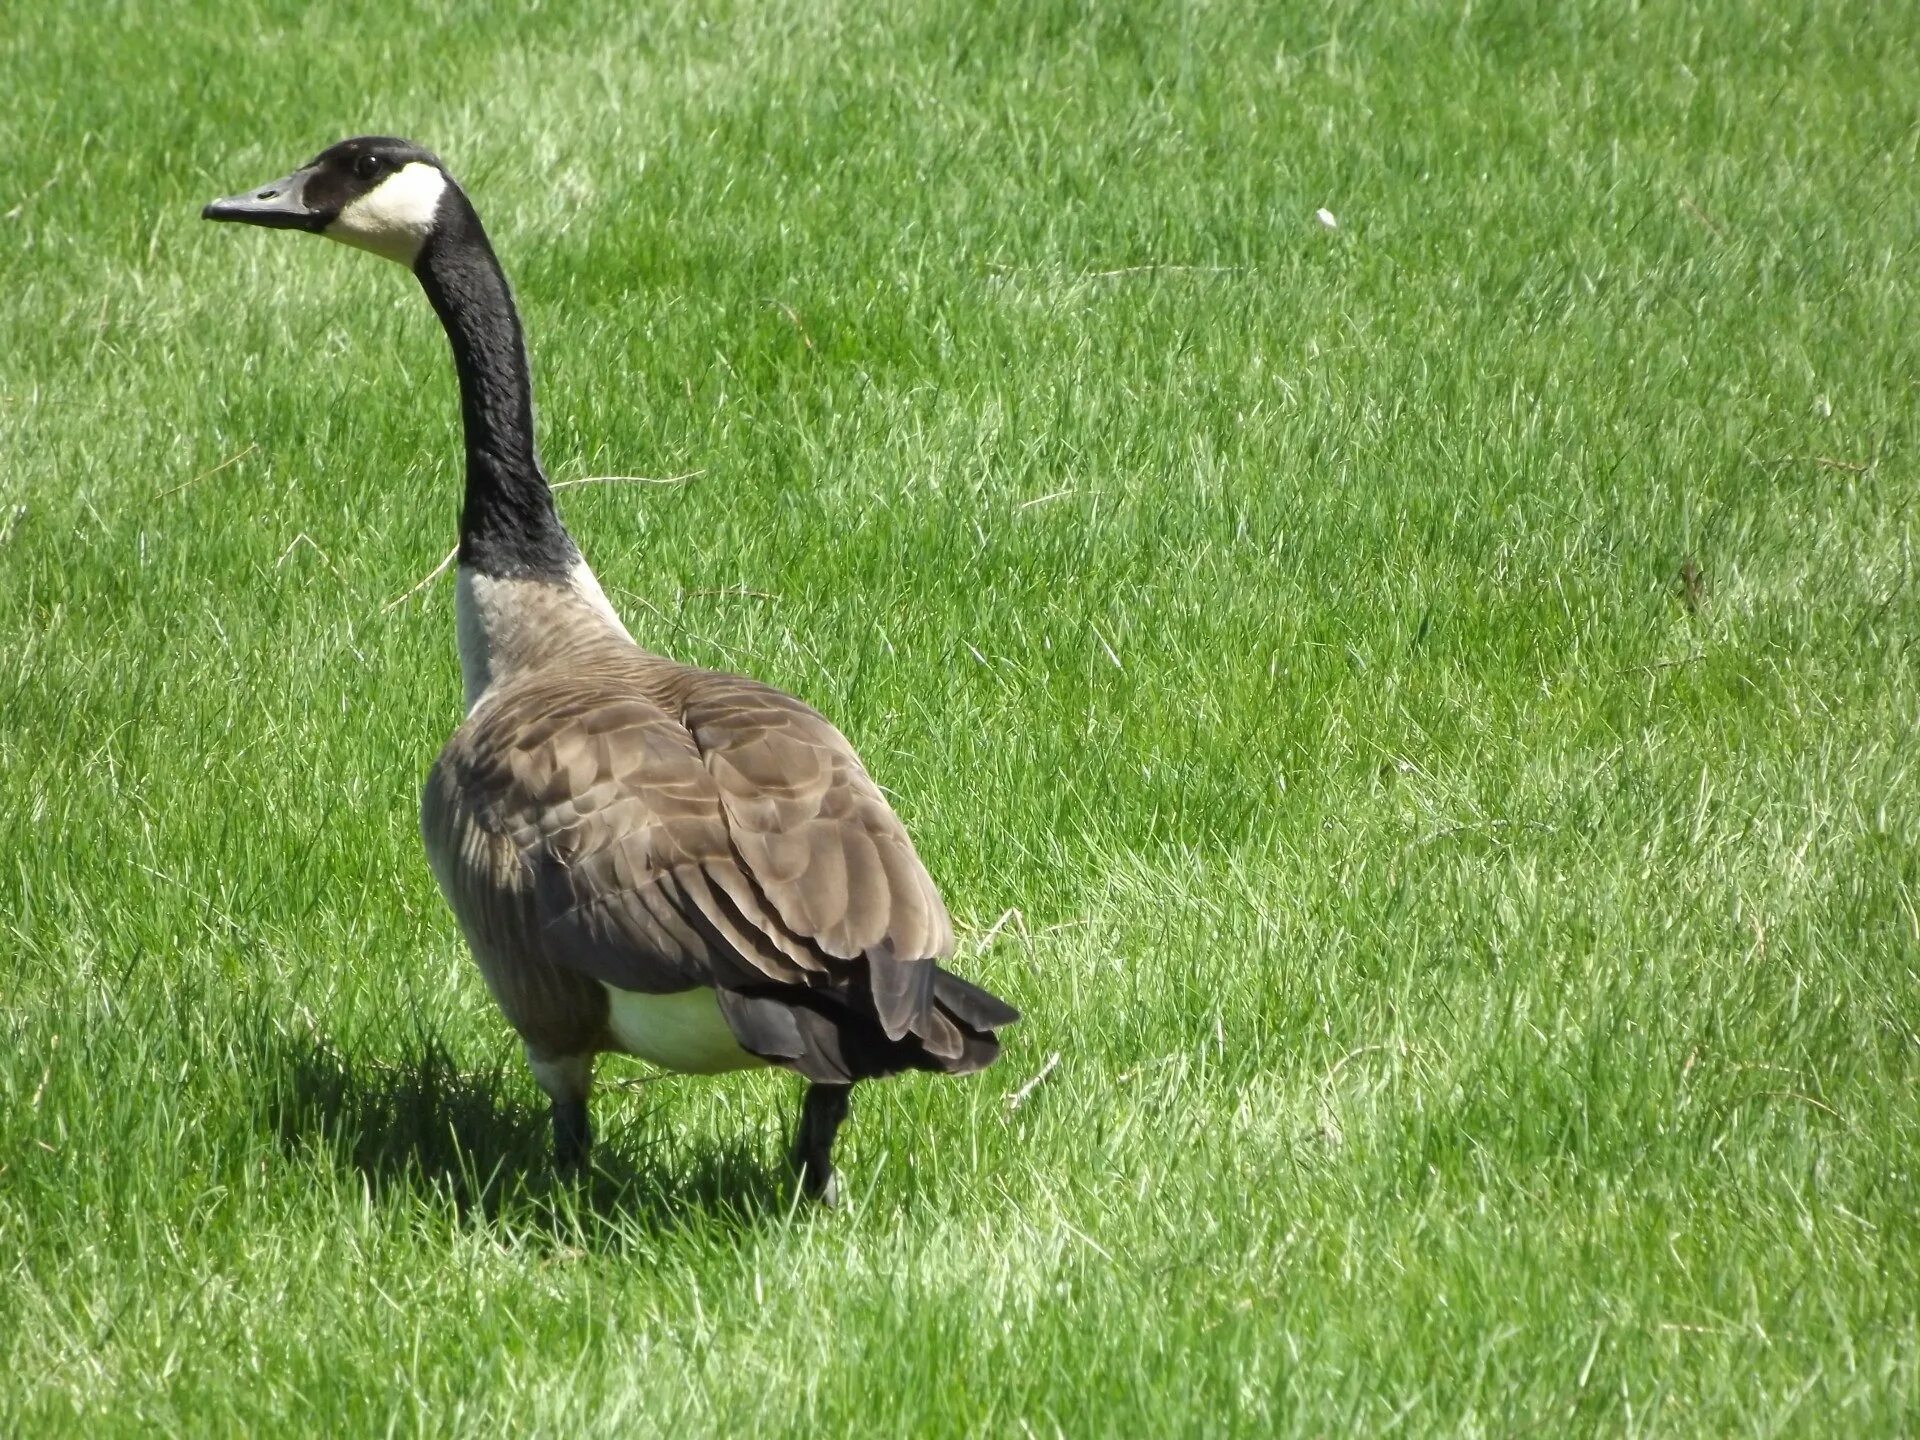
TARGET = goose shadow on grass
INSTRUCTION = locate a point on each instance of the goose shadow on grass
(411, 1121)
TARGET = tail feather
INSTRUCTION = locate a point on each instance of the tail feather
(943, 1039)
(902, 990)
(781, 1029)
(969, 1004)
(833, 1037)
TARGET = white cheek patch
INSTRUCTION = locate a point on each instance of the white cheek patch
(394, 218)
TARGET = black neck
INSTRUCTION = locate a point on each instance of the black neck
(508, 526)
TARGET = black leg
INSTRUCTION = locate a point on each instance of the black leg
(572, 1135)
(820, 1116)
(568, 1081)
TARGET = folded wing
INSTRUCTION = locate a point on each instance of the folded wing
(658, 827)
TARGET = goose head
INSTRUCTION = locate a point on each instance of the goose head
(374, 192)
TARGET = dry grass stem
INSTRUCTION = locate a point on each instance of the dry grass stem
(1019, 1097)
(233, 459)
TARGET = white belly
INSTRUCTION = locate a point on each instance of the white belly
(684, 1032)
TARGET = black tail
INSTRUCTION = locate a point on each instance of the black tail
(836, 1038)
(969, 1004)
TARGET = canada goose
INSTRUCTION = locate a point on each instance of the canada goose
(682, 865)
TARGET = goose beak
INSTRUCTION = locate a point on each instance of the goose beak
(277, 205)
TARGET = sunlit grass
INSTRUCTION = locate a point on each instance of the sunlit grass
(1419, 712)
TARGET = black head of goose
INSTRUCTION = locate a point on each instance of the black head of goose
(682, 865)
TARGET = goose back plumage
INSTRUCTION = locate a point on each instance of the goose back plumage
(620, 819)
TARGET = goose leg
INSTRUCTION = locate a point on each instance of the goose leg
(568, 1080)
(820, 1116)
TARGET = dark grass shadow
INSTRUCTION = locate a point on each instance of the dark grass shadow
(411, 1121)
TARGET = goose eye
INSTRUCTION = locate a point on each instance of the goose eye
(367, 166)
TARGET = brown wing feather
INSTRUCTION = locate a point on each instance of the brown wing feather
(809, 823)
(656, 827)
(819, 840)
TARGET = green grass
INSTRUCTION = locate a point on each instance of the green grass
(1485, 975)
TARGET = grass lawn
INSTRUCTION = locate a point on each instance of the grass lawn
(1419, 711)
